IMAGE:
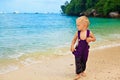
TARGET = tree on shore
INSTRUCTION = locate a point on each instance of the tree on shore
(103, 7)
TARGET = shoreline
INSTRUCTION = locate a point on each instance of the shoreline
(101, 62)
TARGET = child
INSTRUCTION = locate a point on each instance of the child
(80, 52)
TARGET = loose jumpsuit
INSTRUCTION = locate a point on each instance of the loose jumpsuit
(81, 53)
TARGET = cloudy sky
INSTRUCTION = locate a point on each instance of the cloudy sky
(42, 6)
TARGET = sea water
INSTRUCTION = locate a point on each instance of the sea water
(26, 34)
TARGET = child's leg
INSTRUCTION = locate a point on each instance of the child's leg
(78, 63)
(84, 60)
(79, 68)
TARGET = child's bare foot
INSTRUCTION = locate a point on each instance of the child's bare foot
(77, 77)
(83, 74)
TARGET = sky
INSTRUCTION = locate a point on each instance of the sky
(29, 6)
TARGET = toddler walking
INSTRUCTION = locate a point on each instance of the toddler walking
(84, 37)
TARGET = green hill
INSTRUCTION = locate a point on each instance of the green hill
(101, 8)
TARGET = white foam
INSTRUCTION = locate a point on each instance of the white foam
(16, 55)
(8, 69)
(106, 46)
(115, 35)
(28, 61)
(60, 52)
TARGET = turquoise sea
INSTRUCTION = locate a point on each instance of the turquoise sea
(39, 34)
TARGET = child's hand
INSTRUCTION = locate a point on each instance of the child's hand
(88, 40)
(73, 49)
(91, 38)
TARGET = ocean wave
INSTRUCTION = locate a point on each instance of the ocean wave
(8, 69)
(106, 46)
(16, 55)
(12, 67)
(28, 62)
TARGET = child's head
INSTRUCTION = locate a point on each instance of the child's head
(82, 23)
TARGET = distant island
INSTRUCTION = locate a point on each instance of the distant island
(96, 8)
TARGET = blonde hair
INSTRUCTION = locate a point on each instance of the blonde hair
(83, 19)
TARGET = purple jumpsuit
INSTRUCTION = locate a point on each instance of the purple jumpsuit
(81, 54)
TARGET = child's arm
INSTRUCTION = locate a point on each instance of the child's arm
(73, 42)
(91, 38)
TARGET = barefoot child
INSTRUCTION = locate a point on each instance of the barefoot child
(84, 37)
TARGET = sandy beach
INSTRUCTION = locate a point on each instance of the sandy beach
(103, 64)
